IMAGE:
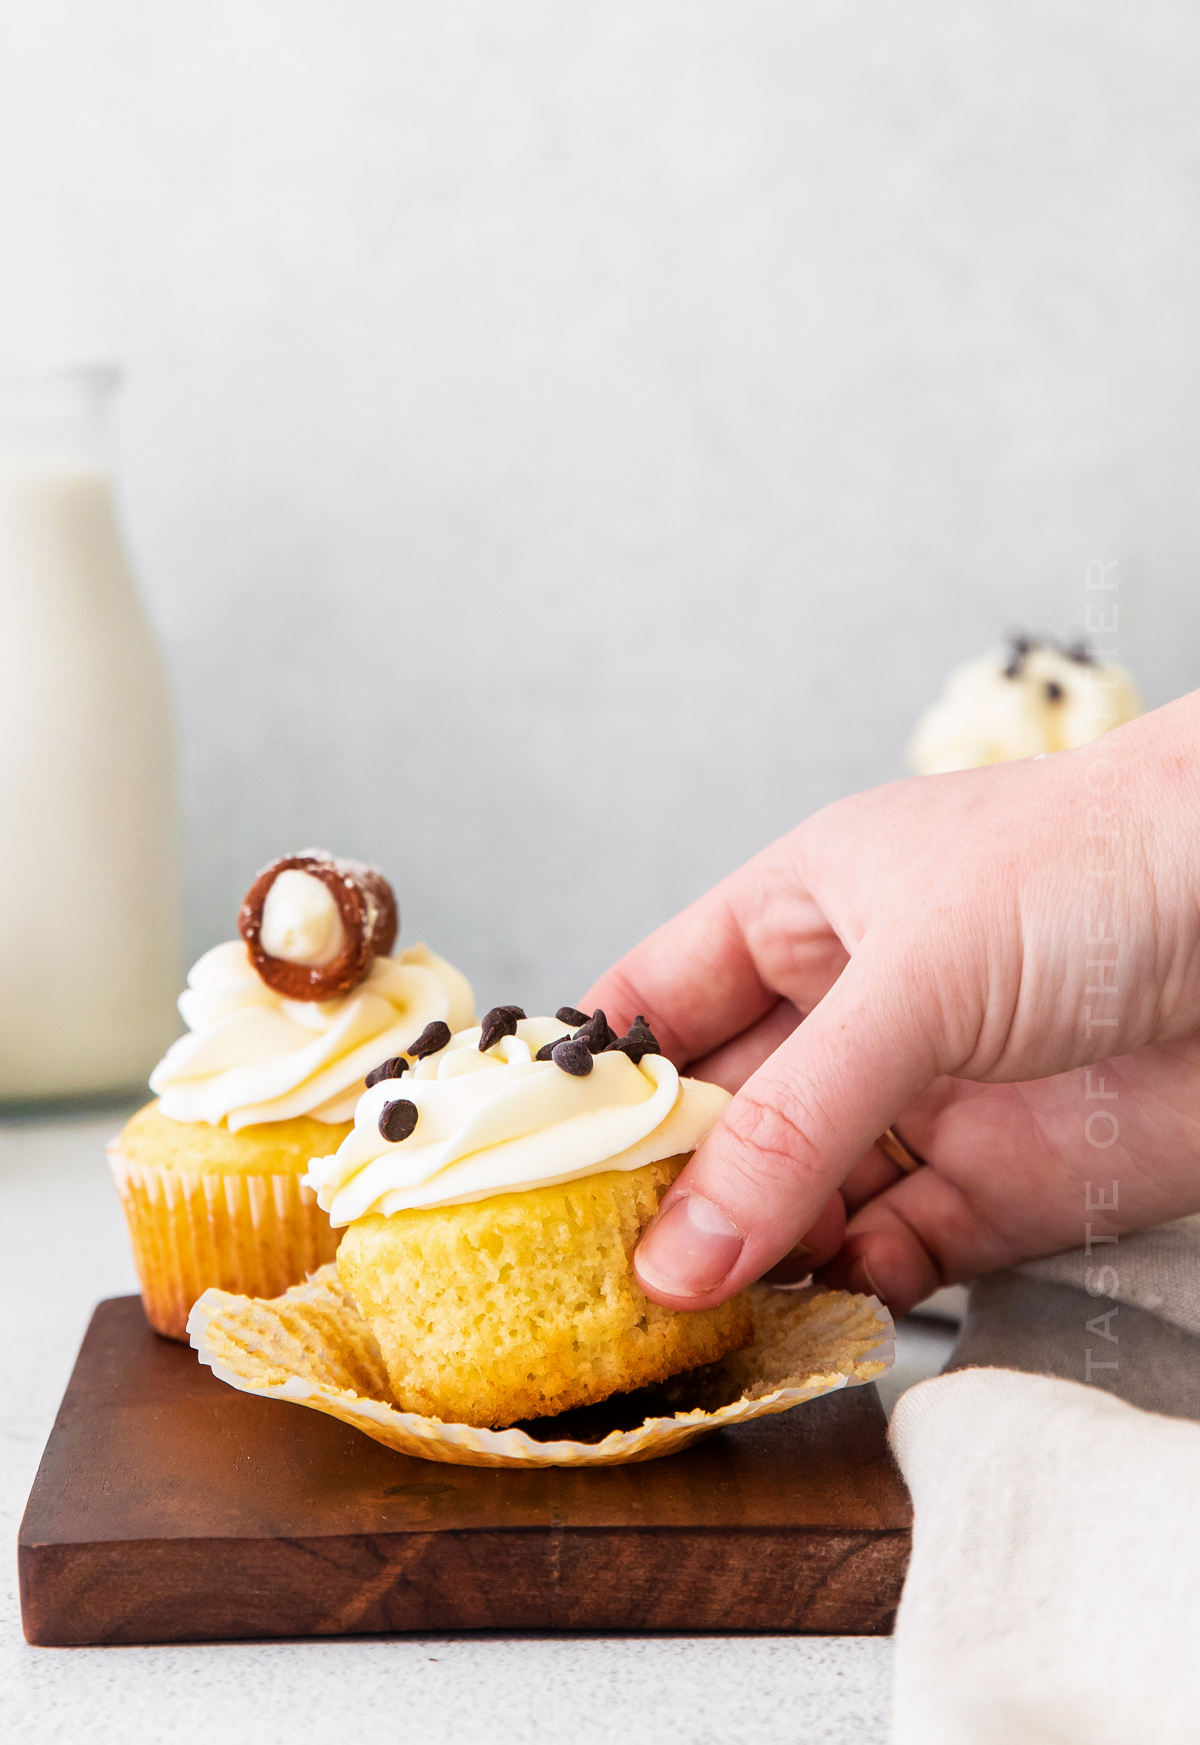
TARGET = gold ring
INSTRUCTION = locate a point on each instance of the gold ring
(897, 1152)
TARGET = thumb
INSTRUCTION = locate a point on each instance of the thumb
(793, 1132)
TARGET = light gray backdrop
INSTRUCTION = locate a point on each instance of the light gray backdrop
(565, 444)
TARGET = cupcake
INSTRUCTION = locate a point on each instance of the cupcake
(1020, 701)
(493, 1195)
(283, 1025)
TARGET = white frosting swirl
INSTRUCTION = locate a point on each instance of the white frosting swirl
(251, 1055)
(502, 1122)
(1051, 703)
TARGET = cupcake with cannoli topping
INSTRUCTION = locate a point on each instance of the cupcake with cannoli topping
(1020, 701)
(284, 1024)
(494, 1192)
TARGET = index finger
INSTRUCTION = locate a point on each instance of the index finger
(694, 980)
(721, 964)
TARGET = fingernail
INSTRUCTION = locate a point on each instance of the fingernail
(691, 1248)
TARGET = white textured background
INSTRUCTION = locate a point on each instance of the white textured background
(566, 444)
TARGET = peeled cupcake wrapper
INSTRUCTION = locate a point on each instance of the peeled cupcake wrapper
(312, 1347)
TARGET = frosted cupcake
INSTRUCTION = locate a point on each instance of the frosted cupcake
(283, 1026)
(1028, 698)
(494, 1195)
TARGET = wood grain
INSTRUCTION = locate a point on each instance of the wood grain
(169, 1507)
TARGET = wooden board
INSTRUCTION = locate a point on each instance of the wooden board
(169, 1507)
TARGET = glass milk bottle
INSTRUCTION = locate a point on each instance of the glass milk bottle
(89, 875)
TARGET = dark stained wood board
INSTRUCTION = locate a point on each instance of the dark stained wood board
(168, 1507)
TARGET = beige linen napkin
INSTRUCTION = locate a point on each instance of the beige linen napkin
(1124, 1317)
(1054, 1589)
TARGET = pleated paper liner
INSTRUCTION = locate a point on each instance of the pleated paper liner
(191, 1229)
(311, 1347)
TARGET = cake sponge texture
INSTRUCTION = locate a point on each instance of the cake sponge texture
(526, 1304)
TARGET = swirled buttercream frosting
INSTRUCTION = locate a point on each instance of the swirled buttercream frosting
(253, 1055)
(498, 1120)
(1021, 701)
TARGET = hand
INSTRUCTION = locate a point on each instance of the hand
(944, 938)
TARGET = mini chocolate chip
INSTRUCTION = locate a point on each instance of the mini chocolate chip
(638, 1040)
(546, 1051)
(598, 1033)
(397, 1120)
(573, 1056)
(1054, 692)
(500, 1021)
(432, 1040)
(1080, 653)
(391, 1069)
(1019, 648)
(568, 1015)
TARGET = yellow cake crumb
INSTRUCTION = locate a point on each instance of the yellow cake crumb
(526, 1304)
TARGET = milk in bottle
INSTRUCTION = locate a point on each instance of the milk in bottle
(89, 879)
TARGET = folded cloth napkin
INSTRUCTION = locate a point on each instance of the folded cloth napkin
(1157, 1271)
(1124, 1317)
(1054, 1588)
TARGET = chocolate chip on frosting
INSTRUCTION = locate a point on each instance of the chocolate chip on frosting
(1081, 654)
(397, 1120)
(546, 1051)
(1054, 691)
(391, 1069)
(568, 1015)
(432, 1040)
(638, 1040)
(1019, 648)
(366, 907)
(501, 1021)
(573, 1056)
(598, 1033)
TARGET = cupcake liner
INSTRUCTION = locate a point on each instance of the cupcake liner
(311, 1346)
(254, 1234)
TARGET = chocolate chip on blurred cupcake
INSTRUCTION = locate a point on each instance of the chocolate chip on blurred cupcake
(1020, 701)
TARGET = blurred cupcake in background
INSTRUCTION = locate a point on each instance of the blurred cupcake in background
(1020, 701)
(284, 1025)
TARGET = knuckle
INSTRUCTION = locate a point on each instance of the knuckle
(770, 1142)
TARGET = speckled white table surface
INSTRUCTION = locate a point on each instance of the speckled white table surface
(66, 1249)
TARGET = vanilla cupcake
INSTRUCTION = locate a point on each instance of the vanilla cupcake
(1029, 698)
(283, 1026)
(494, 1195)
